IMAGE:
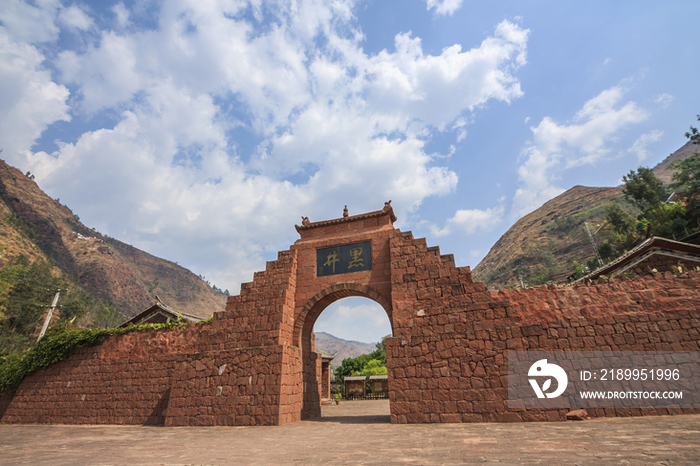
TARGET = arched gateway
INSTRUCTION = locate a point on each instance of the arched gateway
(254, 363)
(360, 255)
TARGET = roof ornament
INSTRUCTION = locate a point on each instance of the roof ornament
(345, 212)
(305, 221)
(387, 206)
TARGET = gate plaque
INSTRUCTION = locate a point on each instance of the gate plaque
(344, 259)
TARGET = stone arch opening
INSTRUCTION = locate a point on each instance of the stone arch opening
(303, 331)
(304, 324)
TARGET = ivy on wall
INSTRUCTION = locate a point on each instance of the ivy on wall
(59, 343)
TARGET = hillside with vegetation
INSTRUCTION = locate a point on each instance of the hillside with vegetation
(44, 247)
(542, 246)
(343, 349)
(552, 244)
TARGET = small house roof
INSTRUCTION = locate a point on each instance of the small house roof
(326, 356)
(159, 308)
(641, 252)
(379, 377)
(355, 378)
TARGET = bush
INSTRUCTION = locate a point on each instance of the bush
(59, 343)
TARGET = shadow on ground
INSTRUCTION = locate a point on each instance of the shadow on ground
(356, 412)
(369, 419)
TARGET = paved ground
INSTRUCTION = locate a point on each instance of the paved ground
(358, 432)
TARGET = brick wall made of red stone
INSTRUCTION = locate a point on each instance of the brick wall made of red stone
(159, 377)
(453, 366)
(231, 387)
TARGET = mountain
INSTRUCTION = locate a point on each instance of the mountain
(541, 246)
(345, 349)
(37, 226)
(662, 171)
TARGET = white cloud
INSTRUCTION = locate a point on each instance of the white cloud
(558, 147)
(468, 221)
(121, 15)
(106, 75)
(664, 100)
(437, 89)
(331, 126)
(444, 7)
(74, 19)
(30, 23)
(639, 148)
(29, 99)
(351, 317)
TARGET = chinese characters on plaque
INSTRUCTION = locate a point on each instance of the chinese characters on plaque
(344, 259)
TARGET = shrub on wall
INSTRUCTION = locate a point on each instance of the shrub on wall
(59, 343)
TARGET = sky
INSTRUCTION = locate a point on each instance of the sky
(202, 131)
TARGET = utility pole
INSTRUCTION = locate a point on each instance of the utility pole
(48, 317)
(590, 237)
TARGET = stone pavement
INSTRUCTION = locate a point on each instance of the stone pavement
(359, 432)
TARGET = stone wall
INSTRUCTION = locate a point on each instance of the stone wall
(165, 377)
(453, 366)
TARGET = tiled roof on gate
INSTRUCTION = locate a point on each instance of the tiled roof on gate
(307, 225)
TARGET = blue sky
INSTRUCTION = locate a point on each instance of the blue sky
(202, 131)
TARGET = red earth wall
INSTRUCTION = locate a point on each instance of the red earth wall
(454, 365)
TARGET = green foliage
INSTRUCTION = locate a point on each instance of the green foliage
(646, 192)
(59, 343)
(592, 264)
(687, 180)
(374, 367)
(356, 366)
(643, 189)
(694, 135)
(564, 224)
(621, 221)
(20, 225)
(687, 175)
(580, 271)
(668, 220)
(26, 290)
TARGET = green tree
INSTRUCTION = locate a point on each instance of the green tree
(686, 180)
(668, 220)
(356, 366)
(643, 189)
(26, 290)
(606, 250)
(620, 220)
(687, 175)
(580, 271)
(374, 367)
(694, 135)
